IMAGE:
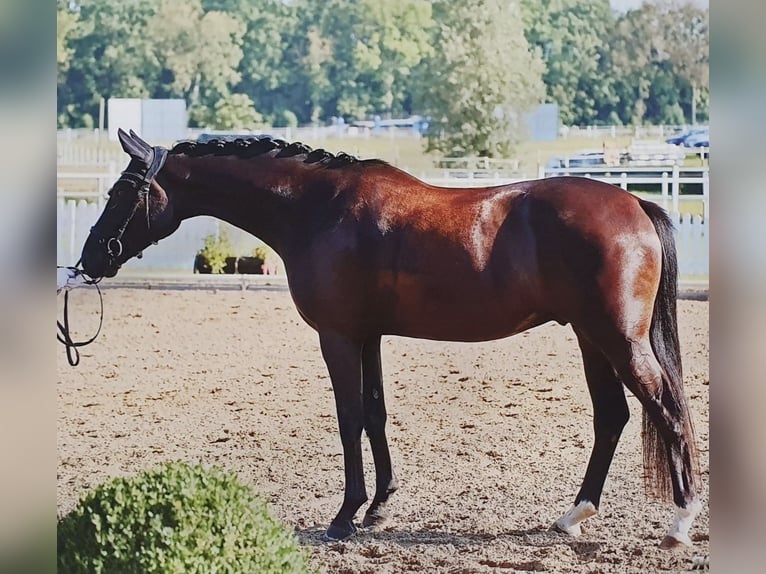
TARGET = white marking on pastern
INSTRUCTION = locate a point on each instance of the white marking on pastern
(570, 521)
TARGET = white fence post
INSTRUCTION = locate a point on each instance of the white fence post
(72, 232)
(706, 195)
(676, 188)
(665, 190)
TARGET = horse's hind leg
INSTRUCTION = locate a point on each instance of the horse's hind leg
(610, 414)
(375, 425)
(669, 449)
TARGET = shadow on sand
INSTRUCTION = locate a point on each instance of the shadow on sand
(538, 536)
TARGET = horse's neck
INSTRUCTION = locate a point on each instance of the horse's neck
(263, 197)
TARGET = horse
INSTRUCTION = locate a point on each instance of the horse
(370, 250)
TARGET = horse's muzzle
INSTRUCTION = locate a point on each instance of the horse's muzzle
(97, 264)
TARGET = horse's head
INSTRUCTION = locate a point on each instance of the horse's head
(137, 214)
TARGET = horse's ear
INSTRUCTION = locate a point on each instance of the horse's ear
(132, 145)
(139, 141)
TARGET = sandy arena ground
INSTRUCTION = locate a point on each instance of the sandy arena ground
(489, 441)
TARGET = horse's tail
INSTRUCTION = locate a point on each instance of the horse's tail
(664, 341)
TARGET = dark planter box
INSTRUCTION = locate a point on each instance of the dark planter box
(247, 265)
(201, 265)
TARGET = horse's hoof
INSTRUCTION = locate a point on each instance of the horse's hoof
(339, 531)
(573, 530)
(569, 523)
(676, 543)
(376, 519)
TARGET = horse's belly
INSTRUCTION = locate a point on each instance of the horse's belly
(456, 309)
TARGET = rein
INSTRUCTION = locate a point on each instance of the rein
(64, 337)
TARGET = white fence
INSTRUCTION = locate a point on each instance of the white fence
(633, 179)
(669, 179)
(602, 132)
(76, 213)
(74, 218)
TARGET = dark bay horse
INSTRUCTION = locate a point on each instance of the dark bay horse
(370, 250)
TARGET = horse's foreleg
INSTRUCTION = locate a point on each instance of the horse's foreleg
(610, 415)
(343, 359)
(375, 425)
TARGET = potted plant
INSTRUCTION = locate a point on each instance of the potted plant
(216, 255)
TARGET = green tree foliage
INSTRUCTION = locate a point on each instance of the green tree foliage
(569, 35)
(199, 52)
(658, 62)
(481, 78)
(142, 49)
(109, 56)
(67, 25)
(235, 111)
(176, 519)
(687, 48)
(370, 49)
(273, 72)
(472, 65)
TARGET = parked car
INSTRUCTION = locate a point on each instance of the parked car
(701, 139)
(690, 138)
(584, 159)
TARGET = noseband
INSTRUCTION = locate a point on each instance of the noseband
(140, 182)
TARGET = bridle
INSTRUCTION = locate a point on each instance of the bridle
(141, 183)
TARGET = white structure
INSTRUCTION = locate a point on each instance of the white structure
(154, 119)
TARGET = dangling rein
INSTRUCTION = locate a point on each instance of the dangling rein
(64, 337)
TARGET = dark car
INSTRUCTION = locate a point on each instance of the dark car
(585, 159)
(690, 137)
(701, 139)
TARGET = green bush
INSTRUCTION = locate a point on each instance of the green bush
(284, 119)
(216, 250)
(176, 519)
(235, 112)
(261, 252)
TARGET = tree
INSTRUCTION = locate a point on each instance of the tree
(200, 51)
(67, 23)
(373, 48)
(68, 27)
(143, 49)
(235, 111)
(661, 39)
(688, 43)
(481, 78)
(273, 72)
(109, 55)
(569, 36)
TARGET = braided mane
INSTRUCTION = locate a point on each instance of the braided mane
(248, 147)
